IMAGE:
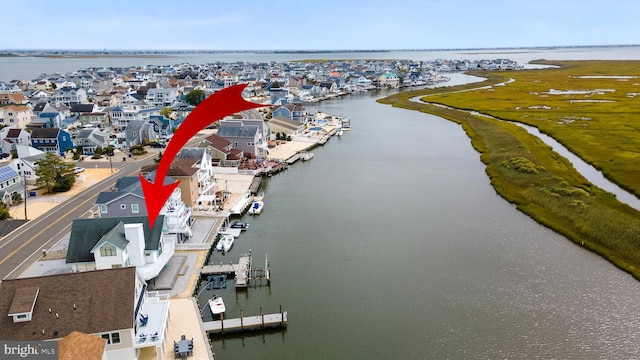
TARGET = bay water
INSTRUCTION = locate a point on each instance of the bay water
(391, 243)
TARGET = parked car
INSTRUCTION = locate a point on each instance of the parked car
(78, 169)
(157, 145)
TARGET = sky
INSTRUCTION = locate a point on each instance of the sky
(316, 25)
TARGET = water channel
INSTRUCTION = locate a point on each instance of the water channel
(391, 243)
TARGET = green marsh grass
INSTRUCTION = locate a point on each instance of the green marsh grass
(527, 173)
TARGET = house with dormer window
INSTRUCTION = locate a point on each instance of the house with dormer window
(106, 243)
(111, 304)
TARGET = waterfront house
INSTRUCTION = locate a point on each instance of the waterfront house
(112, 304)
(389, 79)
(243, 137)
(78, 345)
(293, 111)
(183, 170)
(222, 151)
(249, 135)
(127, 200)
(51, 140)
(15, 115)
(106, 243)
(286, 125)
(11, 185)
(204, 175)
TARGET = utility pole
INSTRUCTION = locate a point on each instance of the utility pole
(24, 179)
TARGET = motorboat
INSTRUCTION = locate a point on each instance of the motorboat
(256, 207)
(225, 243)
(216, 304)
(237, 224)
(307, 156)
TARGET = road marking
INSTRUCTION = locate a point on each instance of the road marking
(50, 225)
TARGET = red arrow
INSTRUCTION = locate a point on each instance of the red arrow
(220, 104)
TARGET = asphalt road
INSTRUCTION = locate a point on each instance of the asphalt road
(24, 246)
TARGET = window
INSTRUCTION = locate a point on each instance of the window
(123, 206)
(113, 338)
(103, 209)
(108, 250)
(22, 316)
(135, 209)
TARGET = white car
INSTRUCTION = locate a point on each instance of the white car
(78, 170)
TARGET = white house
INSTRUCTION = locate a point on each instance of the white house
(161, 97)
(105, 243)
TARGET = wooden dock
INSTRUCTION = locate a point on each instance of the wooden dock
(242, 271)
(246, 323)
(255, 185)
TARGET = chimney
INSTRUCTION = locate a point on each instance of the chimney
(134, 233)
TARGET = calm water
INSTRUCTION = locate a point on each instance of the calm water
(392, 244)
(28, 68)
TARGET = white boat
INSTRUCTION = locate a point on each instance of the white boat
(339, 133)
(216, 304)
(256, 207)
(225, 243)
(306, 156)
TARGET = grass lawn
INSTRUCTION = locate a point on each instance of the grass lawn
(591, 107)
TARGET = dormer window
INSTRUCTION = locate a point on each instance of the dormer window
(108, 250)
(24, 300)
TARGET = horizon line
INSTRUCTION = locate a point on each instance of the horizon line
(312, 50)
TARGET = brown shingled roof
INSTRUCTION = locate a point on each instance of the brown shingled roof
(23, 300)
(179, 168)
(103, 301)
(79, 345)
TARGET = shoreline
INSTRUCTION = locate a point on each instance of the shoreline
(548, 189)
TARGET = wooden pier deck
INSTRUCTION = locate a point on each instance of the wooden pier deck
(255, 185)
(259, 322)
(240, 270)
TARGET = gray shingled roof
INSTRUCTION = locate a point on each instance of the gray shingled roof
(237, 131)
